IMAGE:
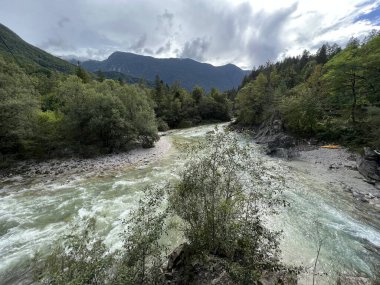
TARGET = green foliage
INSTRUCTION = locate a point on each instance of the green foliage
(107, 114)
(252, 101)
(178, 108)
(83, 258)
(302, 108)
(143, 253)
(47, 134)
(44, 116)
(18, 107)
(100, 76)
(221, 198)
(83, 74)
(33, 59)
(333, 95)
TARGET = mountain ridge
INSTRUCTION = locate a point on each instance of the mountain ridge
(29, 56)
(186, 71)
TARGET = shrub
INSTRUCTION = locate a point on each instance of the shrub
(221, 197)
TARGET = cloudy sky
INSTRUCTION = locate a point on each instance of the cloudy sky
(246, 33)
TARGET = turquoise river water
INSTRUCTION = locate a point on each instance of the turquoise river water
(34, 214)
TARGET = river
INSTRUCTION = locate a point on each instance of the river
(34, 213)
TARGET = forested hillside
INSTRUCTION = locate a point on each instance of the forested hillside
(30, 57)
(333, 95)
(61, 115)
(46, 112)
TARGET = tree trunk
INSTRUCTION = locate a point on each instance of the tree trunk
(353, 107)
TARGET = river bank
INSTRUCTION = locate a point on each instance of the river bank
(339, 168)
(72, 168)
(356, 174)
(35, 214)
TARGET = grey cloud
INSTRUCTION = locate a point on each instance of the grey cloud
(61, 23)
(139, 44)
(195, 49)
(165, 18)
(164, 48)
(216, 31)
(268, 42)
(56, 43)
(148, 51)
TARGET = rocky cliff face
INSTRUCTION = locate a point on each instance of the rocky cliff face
(369, 164)
(272, 133)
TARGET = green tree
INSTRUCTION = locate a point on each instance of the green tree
(83, 74)
(197, 94)
(100, 76)
(218, 198)
(301, 111)
(321, 56)
(345, 77)
(252, 100)
(18, 108)
(47, 134)
(82, 257)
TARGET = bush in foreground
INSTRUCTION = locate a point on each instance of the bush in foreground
(221, 198)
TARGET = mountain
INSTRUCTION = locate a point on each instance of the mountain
(29, 56)
(187, 72)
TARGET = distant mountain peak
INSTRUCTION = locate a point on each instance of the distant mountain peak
(185, 70)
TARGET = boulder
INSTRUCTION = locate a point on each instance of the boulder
(369, 164)
(185, 267)
(223, 279)
(350, 280)
(277, 277)
(273, 134)
(177, 257)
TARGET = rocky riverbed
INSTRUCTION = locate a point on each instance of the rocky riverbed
(75, 168)
(339, 167)
(36, 209)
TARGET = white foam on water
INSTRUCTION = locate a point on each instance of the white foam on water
(38, 214)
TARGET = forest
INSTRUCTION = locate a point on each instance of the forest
(51, 114)
(332, 95)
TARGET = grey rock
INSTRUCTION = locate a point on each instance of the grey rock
(176, 257)
(280, 277)
(333, 166)
(364, 200)
(370, 154)
(350, 280)
(223, 279)
(372, 182)
(273, 134)
(347, 188)
(369, 165)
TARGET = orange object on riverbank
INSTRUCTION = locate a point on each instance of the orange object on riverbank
(331, 146)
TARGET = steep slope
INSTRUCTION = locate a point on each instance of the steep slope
(115, 75)
(29, 56)
(187, 72)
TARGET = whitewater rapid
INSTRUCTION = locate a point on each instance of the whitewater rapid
(35, 213)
